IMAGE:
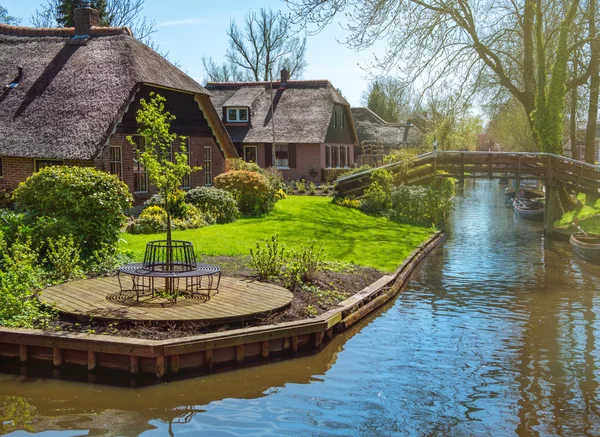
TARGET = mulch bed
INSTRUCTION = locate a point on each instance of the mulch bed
(334, 284)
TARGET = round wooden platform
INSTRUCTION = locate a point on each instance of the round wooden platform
(100, 298)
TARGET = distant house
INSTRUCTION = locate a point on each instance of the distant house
(378, 138)
(70, 96)
(578, 152)
(310, 128)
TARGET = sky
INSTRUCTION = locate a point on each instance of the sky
(191, 29)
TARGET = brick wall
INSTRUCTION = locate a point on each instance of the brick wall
(307, 157)
(16, 170)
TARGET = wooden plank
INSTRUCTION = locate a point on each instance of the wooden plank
(239, 354)
(91, 360)
(174, 363)
(160, 366)
(208, 359)
(23, 353)
(134, 364)
(265, 349)
(57, 356)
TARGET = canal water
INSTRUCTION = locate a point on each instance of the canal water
(495, 335)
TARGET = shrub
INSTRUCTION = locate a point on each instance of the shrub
(253, 192)
(6, 200)
(312, 188)
(424, 204)
(305, 263)
(238, 164)
(219, 204)
(347, 202)
(84, 202)
(193, 219)
(106, 260)
(377, 197)
(280, 194)
(300, 186)
(20, 279)
(63, 257)
(268, 258)
(177, 203)
(152, 220)
(274, 176)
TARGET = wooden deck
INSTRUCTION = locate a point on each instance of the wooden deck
(100, 298)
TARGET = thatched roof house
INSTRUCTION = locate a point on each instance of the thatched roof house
(374, 131)
(312, 127)
(69, 94)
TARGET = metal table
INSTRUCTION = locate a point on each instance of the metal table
(143, 279)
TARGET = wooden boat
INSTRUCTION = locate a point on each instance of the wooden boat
(525, 192)
(586, 246)
(529, 209)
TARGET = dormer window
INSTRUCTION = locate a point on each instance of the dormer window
(237, 115)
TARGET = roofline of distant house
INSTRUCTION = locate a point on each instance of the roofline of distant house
(386, 123)
(321, 82)
(64, 32)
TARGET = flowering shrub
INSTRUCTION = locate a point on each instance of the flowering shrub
(218, 203)
(347, 202)
(252, 190)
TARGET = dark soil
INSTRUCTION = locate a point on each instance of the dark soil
(335, 283)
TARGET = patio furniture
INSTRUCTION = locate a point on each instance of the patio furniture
(175, 266)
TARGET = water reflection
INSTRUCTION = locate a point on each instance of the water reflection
(496, 335)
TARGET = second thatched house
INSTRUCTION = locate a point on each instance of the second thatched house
(70, 96)
(302, 127)
(378, 138)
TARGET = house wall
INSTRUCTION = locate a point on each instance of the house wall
(307, 157)
(351, 152)
(338, 134)
(16, 170)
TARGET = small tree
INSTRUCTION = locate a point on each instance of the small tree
(165, 167)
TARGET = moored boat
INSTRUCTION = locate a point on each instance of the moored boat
(586, 246)
(529, 209)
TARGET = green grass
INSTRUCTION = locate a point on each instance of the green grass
(588, 215)
(348, 235)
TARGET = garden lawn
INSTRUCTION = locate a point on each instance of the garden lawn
(348, 235)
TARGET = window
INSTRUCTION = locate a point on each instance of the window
(334, 118)
(282, 156)
(250, 153)
(237, 115)
(343, 119)
(343, 156)
(116, 161)
(327, 156)
(207, 165)
(185, 182)
(336, 156)
(41, 163)
(140, 177)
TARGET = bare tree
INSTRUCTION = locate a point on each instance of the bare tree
(265, 42)
(7, 19)
(472, 45)
(390, 98)
(118, 13)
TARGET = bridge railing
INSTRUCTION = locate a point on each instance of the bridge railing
(424, 168)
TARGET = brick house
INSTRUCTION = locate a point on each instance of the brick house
(69, 96)
(311, 130)
(378, 138)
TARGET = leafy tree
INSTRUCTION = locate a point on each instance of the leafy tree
(7, 19)
(266, 42)
(509, 127)
(165, 168)
(389, 98)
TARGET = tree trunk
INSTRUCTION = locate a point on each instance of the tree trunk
(590, 133)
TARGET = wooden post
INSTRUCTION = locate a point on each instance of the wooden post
(160, 366)
(318, 339)
(239, 354)
(518, 179)
(91, 361)
(23, 352)
(294, 342)
(174, 363)
(551, 209)
(490, 166)
(208, 359)
(57, 356)
(265, 349)
(134, 364)
(329, 334)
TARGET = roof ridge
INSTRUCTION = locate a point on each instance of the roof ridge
(95, 31)
(381, 120)
(322, 82)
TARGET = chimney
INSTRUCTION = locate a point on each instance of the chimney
(285, 75)
(84, 19)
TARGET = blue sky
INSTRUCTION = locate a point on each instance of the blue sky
(190, 29)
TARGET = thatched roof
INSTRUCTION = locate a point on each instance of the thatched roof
(373, 130)
(303, 109)
(71, 96)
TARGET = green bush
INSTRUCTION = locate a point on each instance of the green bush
(106, 260)
(20, 279)
(347, 202)
(193, 219)
(268, 258)
(152, 220)
(305, 263)
(253, 192)
(64, 260)
(238, 164)
(83, 202)
(377, 197)
(177, 203)
(427, 205)
(219, 204)
(275, 177)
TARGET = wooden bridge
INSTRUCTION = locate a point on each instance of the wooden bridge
(553, 170)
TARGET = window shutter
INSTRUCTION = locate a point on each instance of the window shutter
(268, 155)
(292, 155)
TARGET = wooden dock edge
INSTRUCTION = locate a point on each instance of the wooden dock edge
(206, 352)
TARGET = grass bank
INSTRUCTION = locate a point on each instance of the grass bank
(588, 216)
(348, 235)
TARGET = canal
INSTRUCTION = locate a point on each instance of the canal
(495, 335)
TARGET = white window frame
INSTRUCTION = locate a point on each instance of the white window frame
(186, 181)
(255, 153)
(281, 166)
(208, 179)
(237, 112)
(115, 164)
(140, 177)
